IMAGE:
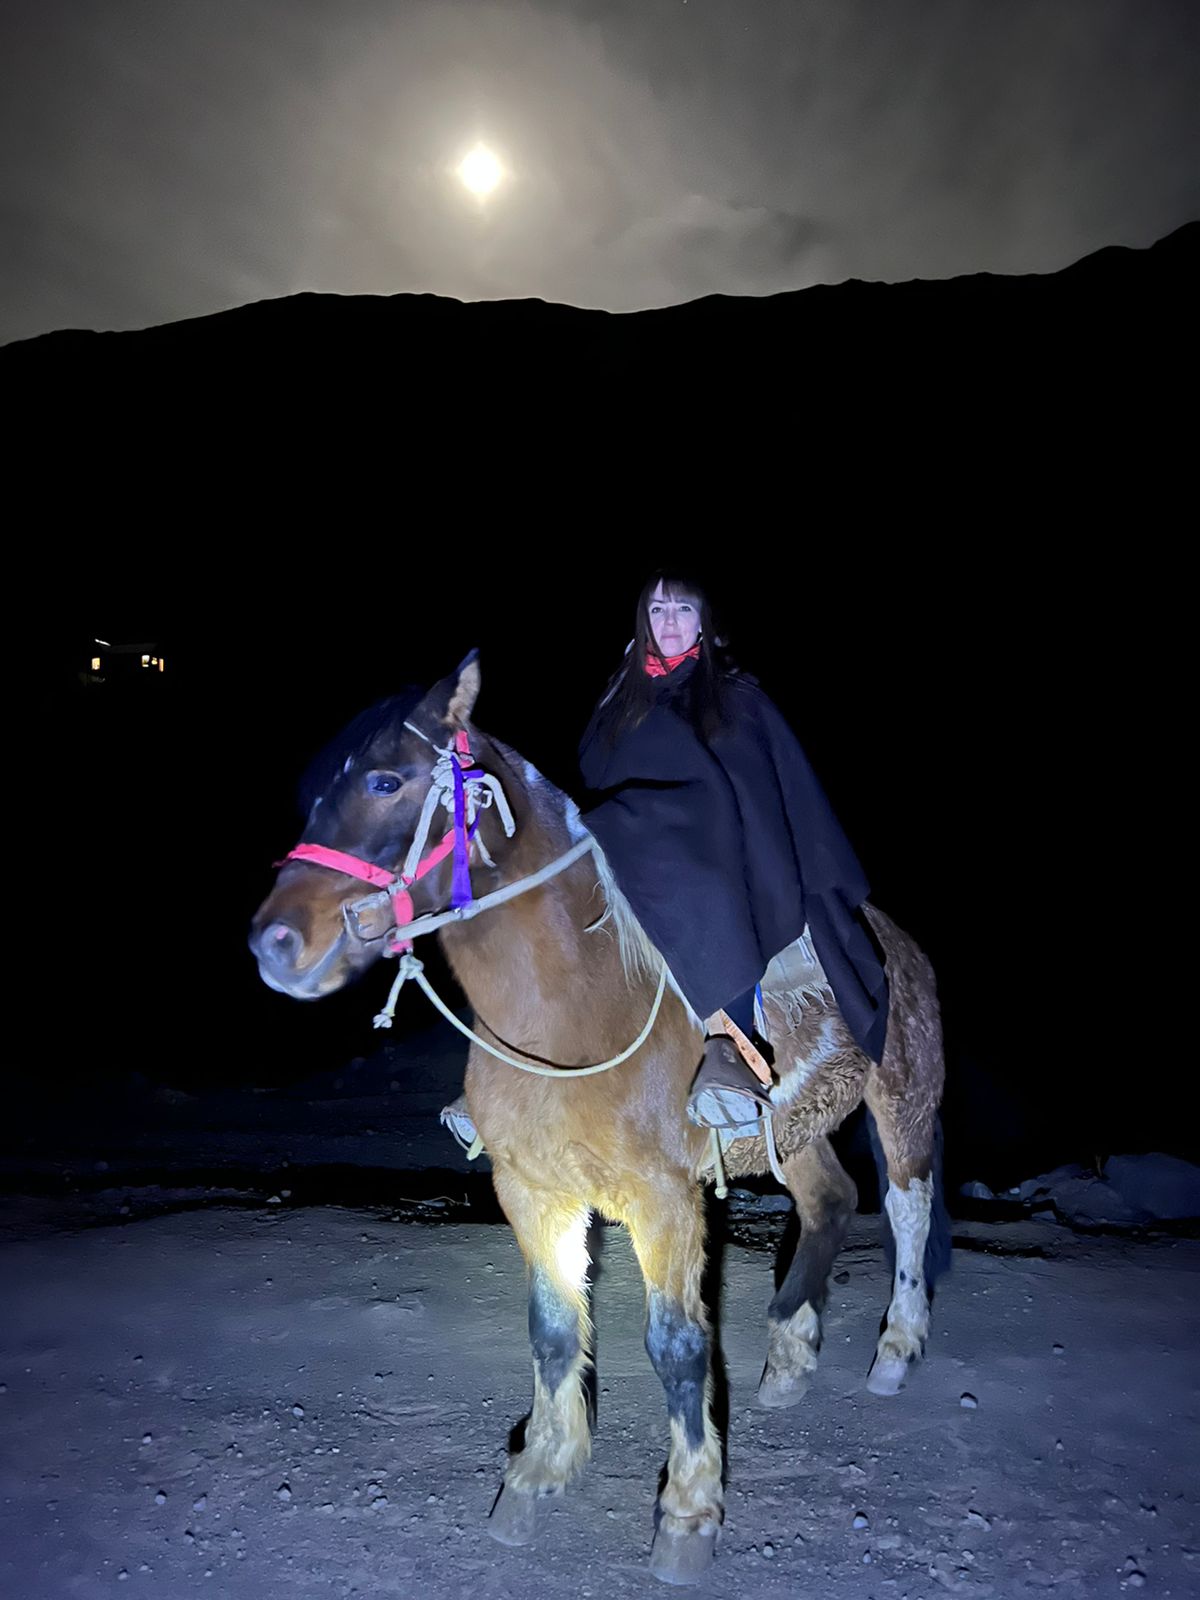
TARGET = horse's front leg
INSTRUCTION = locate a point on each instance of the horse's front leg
(552, 1234)
(667, 1227)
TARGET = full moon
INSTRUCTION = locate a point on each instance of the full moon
(480, 171)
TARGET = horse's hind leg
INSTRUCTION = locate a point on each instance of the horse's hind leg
(907, 1135)
(825, 1199)
(552, 1235)
(903, 1092)
(667, 1228)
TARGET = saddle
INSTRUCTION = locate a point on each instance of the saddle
(794, 979)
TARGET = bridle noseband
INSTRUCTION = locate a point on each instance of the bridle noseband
(462, 789)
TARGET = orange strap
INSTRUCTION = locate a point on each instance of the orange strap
(749, 1053)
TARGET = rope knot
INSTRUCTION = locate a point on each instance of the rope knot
(409, 966)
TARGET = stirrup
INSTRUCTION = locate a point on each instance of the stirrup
(726, 1094)
(737, 1112)
(458, 1121)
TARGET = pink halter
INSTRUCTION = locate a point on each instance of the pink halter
(457, 839)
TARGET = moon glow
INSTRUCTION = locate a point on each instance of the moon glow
(480, 171)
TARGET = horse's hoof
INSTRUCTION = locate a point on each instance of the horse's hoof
(683, 1557)
(887, 1375)
(777, 1390)
(514, 1517)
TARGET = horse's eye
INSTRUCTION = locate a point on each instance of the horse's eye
(382, 783)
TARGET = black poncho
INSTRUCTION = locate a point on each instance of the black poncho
(727, 848)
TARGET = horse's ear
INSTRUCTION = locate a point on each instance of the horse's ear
(464, 693)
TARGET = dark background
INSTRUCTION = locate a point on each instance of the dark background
(984, 723)
(947, 523)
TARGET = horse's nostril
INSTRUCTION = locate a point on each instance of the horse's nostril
(280, 944)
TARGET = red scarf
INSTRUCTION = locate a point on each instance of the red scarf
(658, 667)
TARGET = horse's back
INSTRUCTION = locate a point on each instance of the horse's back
(823, 1072)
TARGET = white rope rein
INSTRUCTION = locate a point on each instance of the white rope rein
(411, 967)
(510, 891)
(480, 794)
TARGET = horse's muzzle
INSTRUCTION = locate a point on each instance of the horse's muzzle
(278, 945)
(280, 950)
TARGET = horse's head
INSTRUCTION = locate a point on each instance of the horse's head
(320, 926)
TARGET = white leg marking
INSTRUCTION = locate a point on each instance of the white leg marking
(806, 1325)
(791, 1358)
(903, 1340)
(909, 1211)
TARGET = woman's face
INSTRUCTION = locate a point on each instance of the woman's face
(674, 622)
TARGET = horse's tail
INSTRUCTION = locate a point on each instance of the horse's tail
(938, 1243)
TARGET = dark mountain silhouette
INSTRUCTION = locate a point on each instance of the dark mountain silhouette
(1018, 367)
(941, 514)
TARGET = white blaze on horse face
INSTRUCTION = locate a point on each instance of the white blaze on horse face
(674, 621)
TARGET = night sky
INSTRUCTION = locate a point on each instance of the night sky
(166, 159)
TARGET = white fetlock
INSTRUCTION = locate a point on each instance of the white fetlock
(903, 1340)
(891, 1366)
(791, 1359)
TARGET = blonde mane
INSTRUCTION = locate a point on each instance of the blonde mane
(639, 958)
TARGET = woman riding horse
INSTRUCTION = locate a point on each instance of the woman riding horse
(722, 840)
(740, 855)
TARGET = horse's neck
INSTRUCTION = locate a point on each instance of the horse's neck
(547, 821)
(515, 959)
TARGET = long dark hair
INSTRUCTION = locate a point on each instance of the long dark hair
(632, 691)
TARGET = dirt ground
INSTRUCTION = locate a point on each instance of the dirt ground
(279, 1400)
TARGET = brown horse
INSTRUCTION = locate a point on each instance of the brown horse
(563, 975)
